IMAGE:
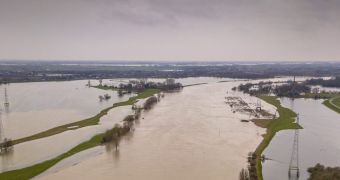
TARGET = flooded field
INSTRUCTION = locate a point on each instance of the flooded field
(318, 141)
(50, 147)
(38, 106)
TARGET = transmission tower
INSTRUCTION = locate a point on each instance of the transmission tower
(1, 129)
(294, 172)
(6, 98)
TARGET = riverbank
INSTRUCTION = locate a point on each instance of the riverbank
(286, 120)
(333, 104)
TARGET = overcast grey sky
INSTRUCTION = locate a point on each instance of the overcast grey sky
(227, 30)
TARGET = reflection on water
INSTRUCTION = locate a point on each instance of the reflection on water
(188, 135)
(318, 141)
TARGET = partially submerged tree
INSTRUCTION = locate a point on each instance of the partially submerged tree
(150, 102)
(244, 174)
(320, 172)
(6, 145)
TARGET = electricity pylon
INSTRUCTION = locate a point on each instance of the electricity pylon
(294, 172)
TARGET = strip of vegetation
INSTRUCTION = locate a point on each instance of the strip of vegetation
(321, 95)
(334, 82)
(86, 122)
(104, 87)
(113, 135)
(197, 84)
(286, 120)
(320, 172)
(333, 104)
(291, 89)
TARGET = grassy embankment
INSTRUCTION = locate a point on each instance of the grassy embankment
(286, 120)
(333, 103)
(319, 95)
(86, 122)
(34, 170)
(105, 87)
(332, 99)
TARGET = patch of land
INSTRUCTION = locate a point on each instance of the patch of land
(197, 84)
(286, 120)
(237, 104)
(333, 103)
(322, 95)
(105, 87)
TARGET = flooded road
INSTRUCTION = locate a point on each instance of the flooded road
(192, 134)
(318, 141)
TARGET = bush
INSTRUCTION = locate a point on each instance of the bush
(6, 145)
(320, 172)
(150, 102)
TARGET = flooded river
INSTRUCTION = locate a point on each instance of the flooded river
(188, 135)
(192, 134)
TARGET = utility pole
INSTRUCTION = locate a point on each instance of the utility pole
(294, 172)
(1, 128)
(6, 98)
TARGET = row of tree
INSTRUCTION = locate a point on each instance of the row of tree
(115, 134)
(334, 82)
(289, 89)
(6, 145)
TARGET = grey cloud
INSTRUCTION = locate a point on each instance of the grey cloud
(170, 29)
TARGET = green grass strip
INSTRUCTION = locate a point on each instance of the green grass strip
(333, 104)
(105, 87)
(285, 121)
(86, 122)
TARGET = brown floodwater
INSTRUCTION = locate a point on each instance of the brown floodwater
(192, 134)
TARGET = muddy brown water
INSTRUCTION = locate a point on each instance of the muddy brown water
(188, 135)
